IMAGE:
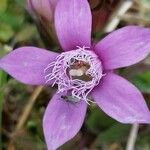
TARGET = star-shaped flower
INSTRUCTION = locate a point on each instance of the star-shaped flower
(81, 70)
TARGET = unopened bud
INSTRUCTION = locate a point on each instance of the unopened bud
(42, 8)
(42, 11)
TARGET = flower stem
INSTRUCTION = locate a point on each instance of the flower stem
(132, 137)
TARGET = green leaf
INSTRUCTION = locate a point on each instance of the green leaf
(98, 121)
(115, 133)
(26, 33)
(144, 141)
(3, 5)
(6, 32)
(21, 2)
(142, 81)
(11, 19)
(3, 79)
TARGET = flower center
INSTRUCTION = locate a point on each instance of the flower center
(76, 72)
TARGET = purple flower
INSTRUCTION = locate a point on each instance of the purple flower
(82, 69)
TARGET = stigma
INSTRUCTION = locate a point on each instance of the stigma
(77, 71)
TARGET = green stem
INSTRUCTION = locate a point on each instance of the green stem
(3, 80)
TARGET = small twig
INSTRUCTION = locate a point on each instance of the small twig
(132, 137)
(26, 112)
(114, 20)
(24, 116)
(136, 19)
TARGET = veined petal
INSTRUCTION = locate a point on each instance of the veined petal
(27, 64)
(124, 47)
(73, 23)
(121, 100)
(62, 121)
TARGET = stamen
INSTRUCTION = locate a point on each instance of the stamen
(78, 71)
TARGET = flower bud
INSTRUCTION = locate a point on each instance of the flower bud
(42, 8)
(42, 11)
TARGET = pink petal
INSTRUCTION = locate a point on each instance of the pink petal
(121, 100)
(27, 64)
(124, 47)
(62, 121)
(73, 23)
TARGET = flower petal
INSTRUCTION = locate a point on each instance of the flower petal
(27, 64)
(62, 120)
(121, 100)
(124, 47)
(73, 23)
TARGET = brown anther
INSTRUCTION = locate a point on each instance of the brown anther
(80, 66)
